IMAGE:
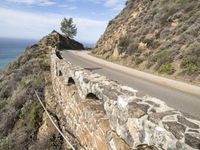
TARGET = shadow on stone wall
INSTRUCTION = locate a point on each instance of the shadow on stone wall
(92, 96)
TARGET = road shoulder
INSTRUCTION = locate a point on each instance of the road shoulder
(184, 87)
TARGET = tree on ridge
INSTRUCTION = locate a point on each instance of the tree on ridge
(68, 28)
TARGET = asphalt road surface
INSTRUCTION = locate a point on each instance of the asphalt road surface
(187, 103)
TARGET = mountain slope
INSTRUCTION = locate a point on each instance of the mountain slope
(21, 114)
(161, 36)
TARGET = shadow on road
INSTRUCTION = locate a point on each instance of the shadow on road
(92, 69)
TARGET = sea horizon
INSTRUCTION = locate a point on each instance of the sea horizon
(11, 48)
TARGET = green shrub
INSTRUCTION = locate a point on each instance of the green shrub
(191, 65)
(31, 115)
(193, 11)
(10, 101)
(18, 140)
(192, 69)
(54, 141)
(189, 60)
(160, 55)
(167, 69)
(123, 42)
(35, 115)
(182, 2)
(161, 58)
(138, 61)
(2, 103)
(132, 48)
(168, 10)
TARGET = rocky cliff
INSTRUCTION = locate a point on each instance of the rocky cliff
(22, 122)
(157, 36)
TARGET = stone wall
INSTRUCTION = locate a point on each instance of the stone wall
(103, 114)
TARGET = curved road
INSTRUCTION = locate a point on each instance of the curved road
(182, 101)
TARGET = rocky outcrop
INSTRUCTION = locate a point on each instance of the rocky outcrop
(101, 114)
(62, 42)
(161, 36)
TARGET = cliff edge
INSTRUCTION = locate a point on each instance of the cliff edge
(21, 114)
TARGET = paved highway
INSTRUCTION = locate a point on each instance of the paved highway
(182, 101)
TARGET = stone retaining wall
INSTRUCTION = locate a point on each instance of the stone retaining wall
(103, 114)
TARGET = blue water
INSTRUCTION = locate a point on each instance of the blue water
(10, 49)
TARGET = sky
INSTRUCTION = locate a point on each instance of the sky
(33, 19)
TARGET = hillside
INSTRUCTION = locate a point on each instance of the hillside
(156, 36)
(21, 114)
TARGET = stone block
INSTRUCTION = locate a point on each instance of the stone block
(175, 128)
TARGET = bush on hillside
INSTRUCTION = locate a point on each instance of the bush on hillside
(167, 69)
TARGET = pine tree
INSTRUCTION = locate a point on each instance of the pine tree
(68, 28)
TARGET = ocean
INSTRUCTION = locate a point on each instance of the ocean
(10, 49)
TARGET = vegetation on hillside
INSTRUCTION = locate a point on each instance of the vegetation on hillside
(20, 111)
(160, 36)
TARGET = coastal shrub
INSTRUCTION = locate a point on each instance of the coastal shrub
(19, 106)
(52, 141)
(20, 96)
(149, 64)
(8, 119)
(192, 69)
(159, 55)
(161, 58)
(2, 103)
(167, 69)
(191, 63)
(193, 11)
(31, 117)
(35, 115)
(182, 2)
(169, 10)
(138, 61)
(20, 139)
(154, 44)
(10, 101)
(190, 60)
(123, 42)
(6, 89)
(132, 48)
(194, 49)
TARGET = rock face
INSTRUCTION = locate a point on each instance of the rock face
(160, 36)
(102, 114)
(62, 42)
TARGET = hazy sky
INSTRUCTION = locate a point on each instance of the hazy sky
(35, 18)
